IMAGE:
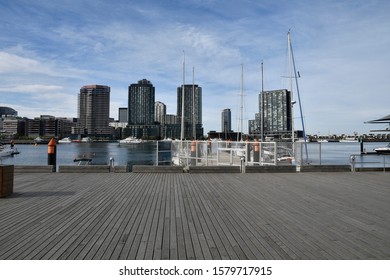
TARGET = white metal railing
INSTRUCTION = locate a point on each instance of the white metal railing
(219, 153)
(370, 161)
(240, 153)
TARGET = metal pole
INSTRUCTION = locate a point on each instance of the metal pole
(182, 98)
(193, 104)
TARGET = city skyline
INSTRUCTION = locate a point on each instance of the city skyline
(47, 52)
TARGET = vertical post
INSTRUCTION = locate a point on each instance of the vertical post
(361, 145)
(6, 180)
(52, 154)
(384, 163)
(320, 152)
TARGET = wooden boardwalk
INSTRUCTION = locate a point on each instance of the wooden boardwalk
(197, 216)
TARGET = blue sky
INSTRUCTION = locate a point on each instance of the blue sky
(49, 49)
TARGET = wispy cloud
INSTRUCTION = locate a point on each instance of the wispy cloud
(51, 49)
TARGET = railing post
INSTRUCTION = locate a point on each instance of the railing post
(352, 161)
(320, 153)
(242, 158)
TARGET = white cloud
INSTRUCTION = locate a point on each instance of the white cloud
(340, 49)
(10, 63)
(32, 88)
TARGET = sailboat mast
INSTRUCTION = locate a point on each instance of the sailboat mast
(182, 99)
(193, 104)
(291, 91)
(299, 97)
(242, 102)
(262, 103)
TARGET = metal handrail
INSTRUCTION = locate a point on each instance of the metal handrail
(353, 161)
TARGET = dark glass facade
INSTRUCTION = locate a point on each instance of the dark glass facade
(192, 110)
(277, 113)
(226, 120)
(141, 103)
(94, 110)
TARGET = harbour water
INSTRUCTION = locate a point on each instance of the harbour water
(145, 153)
(100, 153)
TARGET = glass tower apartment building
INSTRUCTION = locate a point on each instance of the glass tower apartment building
(192, 110)
(276, 113)
(141, 118)
(94, 110)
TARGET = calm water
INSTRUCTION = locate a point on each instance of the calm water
(100, 153)
(145, 153)
(338, 152)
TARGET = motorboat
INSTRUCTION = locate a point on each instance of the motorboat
(39, 140)
(130, 140)
(383, 150)
(65, 140)
(86, 140)
(83, 140)
(8, 150)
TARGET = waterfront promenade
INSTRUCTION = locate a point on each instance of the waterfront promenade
(339, 215)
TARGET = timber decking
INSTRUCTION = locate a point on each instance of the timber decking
(197, 216)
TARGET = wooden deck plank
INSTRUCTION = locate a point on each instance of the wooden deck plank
(197, 216)
(221, 233)
(45, 221)
(193, 243)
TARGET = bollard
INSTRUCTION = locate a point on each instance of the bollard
(6, 180)
(242, 159)
(112, 164)
(52, 154)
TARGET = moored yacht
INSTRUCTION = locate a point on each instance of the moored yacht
(65, 140)
(383, 150)
(130, 140)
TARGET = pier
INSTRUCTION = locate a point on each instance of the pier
(330, 215)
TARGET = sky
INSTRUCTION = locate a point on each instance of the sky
(50, 49)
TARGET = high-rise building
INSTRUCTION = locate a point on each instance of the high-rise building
(94, 110)
(141, 103)
(226, 120)
(275, 111)
(192, 110)
(160, 111)
(141, 122)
